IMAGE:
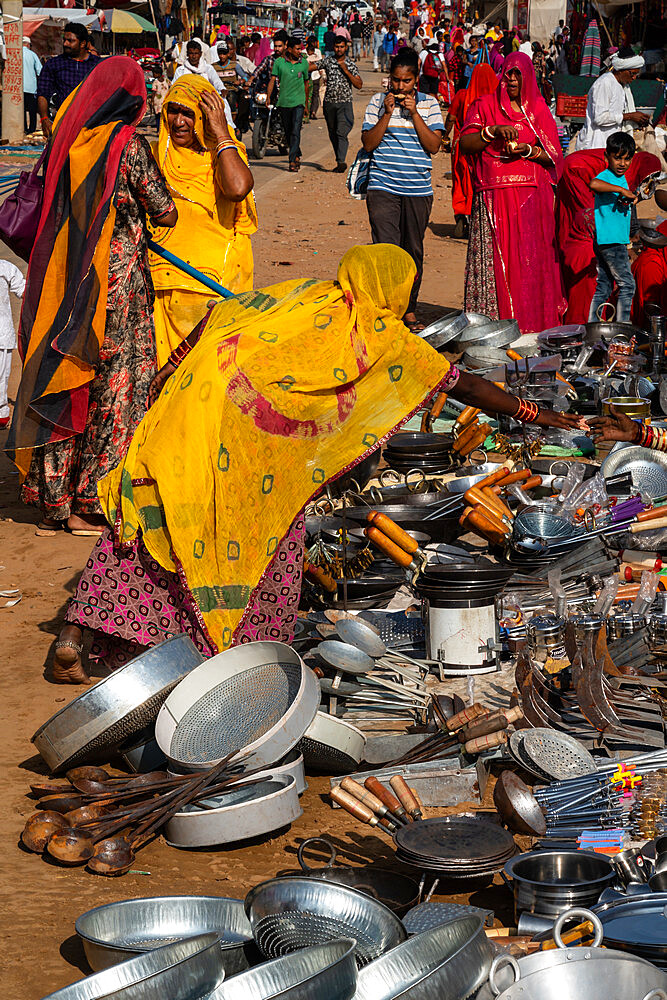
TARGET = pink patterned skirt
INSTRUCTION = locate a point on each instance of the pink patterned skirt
(130, 602)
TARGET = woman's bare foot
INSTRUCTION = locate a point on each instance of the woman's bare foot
(67, 665)
(91, 524)
(413, 323)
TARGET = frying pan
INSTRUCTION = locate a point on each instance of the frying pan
(607, 331)
(472, 475)
(397, 891)
(444, 529)
(416, 442)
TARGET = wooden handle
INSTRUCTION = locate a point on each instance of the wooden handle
(489, 526)
(513, 355)
(466, 416)
(497, 739)
(476, 498)
(393, 531)
(476, 440)
(493, 478)
(465, 436)
(400, 557)
(384, 795)
(438, 406)
(657, 522)
(353, 806)
(650, 515)
(531, 483)
(321, 576)
(465, 716)
(405, 796)
(363, 795)
(581, 931)
(502, 506)
(484, 728)
(515, 477)
(513, 714)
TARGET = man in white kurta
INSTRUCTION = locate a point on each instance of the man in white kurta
(611, 107)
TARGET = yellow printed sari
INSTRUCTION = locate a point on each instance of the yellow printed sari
(212, 234)
(288, 387)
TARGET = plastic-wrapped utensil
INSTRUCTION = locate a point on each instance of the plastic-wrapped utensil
(572, 480)
(646, 594)
(607, 596)
(557, 592)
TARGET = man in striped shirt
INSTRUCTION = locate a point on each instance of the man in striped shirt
(403, 129)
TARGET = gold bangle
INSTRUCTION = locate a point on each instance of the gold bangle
(485, 134)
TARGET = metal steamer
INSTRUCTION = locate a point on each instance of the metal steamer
(459, 613)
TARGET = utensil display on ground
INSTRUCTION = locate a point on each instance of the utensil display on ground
(314, 973)
(290, 913)
(100, 719)
(118, 931)
(258, 698)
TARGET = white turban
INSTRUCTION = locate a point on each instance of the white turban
(634, 62)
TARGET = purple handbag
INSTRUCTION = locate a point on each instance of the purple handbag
(20, 211)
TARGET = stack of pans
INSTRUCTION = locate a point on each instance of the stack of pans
(429, 452)
(462, 581)
(455, 847)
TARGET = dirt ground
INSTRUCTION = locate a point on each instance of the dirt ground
(307, 221)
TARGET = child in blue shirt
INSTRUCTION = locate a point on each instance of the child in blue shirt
(613, 199)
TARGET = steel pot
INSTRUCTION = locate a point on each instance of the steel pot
(624, 624)
(550, 882)
(632, 406)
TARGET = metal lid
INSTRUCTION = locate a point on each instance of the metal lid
(588, 623)
(545, 625)
(629, 618)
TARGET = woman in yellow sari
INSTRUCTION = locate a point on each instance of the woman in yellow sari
(277, 393)
(206, 170)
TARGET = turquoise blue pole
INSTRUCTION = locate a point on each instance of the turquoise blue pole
(189, 269)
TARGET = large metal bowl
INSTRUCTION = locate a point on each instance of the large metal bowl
(185, 970)
(131, 927)
(323, 972)
(118, 707)
(450, 961)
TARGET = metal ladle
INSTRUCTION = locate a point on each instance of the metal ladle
(349, 659)
(39, 828)
(366, 637)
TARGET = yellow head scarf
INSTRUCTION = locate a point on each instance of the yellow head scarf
(189, 173)
(288, 387)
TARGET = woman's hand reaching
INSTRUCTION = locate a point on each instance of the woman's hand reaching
(615, 427)
(566, 421)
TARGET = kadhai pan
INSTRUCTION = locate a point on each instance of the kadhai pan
(443, 529)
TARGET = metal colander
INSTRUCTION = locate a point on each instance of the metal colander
(287, 914)
(648, 468)
(542, 522)
(257, 699)
(236, 712)
(556, 754)
(319, 756)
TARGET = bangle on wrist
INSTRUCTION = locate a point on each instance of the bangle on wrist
(179, 353)
(44, 118)
(527, 412)
(486, 134)
(528, 154)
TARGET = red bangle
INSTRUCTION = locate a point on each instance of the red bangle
(527, 412)
(179, 353)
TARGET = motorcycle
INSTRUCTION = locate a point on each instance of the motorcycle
(267, 128)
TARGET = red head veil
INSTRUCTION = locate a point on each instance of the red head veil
(533, 105)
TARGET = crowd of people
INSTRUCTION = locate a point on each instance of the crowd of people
(118, 417)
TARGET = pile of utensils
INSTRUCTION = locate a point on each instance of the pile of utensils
(432, 453)
(100, 820)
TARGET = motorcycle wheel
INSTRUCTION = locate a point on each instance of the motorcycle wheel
(259, 138)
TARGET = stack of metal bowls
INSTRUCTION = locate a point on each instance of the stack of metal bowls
(549, 882)
(455, 847)
(429, 452)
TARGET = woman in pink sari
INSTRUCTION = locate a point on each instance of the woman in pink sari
(512, 269)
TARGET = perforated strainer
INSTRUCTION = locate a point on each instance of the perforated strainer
(258, 698)
(556, 754)
(290, 913)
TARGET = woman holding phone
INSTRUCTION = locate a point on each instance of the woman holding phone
(403, 129)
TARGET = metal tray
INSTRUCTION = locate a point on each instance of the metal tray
(187, 970)
(118, 707)
(499, 333)
(257, 699)
(131, 927)
(443, 330)
(238, 815)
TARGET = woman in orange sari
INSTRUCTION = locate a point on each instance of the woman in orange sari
(483, 81)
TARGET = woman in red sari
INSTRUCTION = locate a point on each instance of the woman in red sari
(576, 226)
(483, 81)
(512, 269)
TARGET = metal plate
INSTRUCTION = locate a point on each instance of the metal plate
(557, 754)
(444, 329)
(499, 333)
(116, 708)
(637, 924)
(648, 468)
